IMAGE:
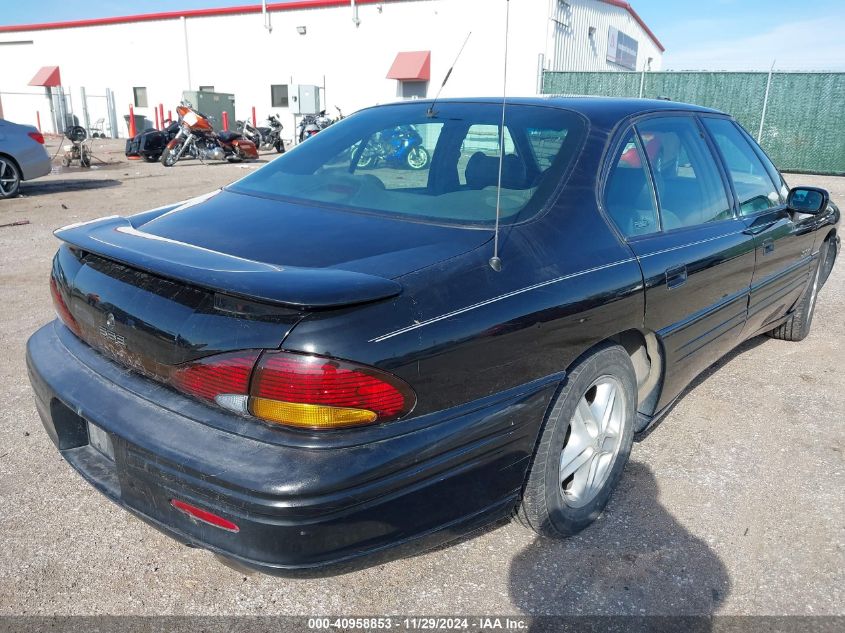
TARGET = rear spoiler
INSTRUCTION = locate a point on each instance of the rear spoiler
(117, 239)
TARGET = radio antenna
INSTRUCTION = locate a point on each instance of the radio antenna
(431, 113)
(495, 261)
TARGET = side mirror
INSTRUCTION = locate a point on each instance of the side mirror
(810, 200)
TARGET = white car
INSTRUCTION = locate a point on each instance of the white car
(22, 156)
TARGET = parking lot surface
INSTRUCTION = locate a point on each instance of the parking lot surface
(733, 505)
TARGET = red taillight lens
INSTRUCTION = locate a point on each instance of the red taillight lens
(215, 375)
(299, 390)
(315, 380)
(62, 310)
(38, 137)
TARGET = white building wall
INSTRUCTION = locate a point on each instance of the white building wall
(236, 54)
(570, 47)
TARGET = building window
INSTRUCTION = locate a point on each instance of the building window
(140, 97)
(279, 96)
(413, 89)
(206, 88)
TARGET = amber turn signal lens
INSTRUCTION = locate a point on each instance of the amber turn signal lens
(310, 416)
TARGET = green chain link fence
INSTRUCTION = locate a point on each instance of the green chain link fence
(803, 120)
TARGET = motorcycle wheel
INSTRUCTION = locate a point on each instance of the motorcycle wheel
(280, 146)
(168, 156)
(367, 161)
(85, 158)
(417, 158)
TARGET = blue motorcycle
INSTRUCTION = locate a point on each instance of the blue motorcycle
(400, 147)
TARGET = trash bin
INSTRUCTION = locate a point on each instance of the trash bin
(140, 123)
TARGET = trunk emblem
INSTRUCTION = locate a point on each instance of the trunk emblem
(108, 333)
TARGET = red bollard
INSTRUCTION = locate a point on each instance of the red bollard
(132, 131)
(169, 115)
(38, 118)
(254, 122)
(225, 121)
(161, 114)
(157, 126)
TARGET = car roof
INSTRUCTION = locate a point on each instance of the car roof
(605, 110)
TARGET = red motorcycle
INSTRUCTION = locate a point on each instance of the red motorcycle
(197, 138)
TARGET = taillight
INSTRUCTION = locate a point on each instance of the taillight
(223, 378)
(62, 310)
(38, 137)
(298, 390)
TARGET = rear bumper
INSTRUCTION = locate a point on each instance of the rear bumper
(298, 505)
(34, 161)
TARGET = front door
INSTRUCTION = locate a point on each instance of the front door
(783, 240)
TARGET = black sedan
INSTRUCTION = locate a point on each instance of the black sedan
(326, 360)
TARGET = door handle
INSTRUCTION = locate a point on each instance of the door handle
(676, 276)
(768, 246)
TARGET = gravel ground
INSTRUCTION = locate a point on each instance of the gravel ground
(733, 505)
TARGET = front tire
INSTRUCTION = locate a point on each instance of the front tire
(584, 445)
(10, 178)
(797, 326)
(417, 158)
(168, 156)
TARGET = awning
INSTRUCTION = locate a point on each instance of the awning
(47, 76)
(411, 66)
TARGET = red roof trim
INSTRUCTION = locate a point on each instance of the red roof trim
(627, 6)
(192, 13)
(251, 8)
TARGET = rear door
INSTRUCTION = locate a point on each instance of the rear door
(696, 257)
(783, 240)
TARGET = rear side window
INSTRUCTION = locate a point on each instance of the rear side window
(628, 196)
(751, 179)
(690, 189)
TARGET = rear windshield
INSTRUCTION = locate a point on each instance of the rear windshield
(398, 160)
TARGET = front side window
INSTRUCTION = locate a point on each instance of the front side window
(690, 190)
(628, 194)
(403, 160)
(751, 179)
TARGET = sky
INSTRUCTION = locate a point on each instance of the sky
(697, 34)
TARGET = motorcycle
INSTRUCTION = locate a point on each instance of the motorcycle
(196, 134)
(150, 144)
(264, 137)
(311, 124)
(401, 146)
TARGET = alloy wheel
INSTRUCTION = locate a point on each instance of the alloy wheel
(9, 179)
(593, 441)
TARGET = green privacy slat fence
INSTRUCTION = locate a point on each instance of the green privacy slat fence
(804, 124)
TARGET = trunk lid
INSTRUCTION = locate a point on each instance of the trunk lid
(230, 272)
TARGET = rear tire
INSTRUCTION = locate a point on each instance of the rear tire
(10, 178)
(797, 326)
(279, 146)
(584, 445)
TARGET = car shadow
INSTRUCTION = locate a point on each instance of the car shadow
(635, 560)
(41, 188)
